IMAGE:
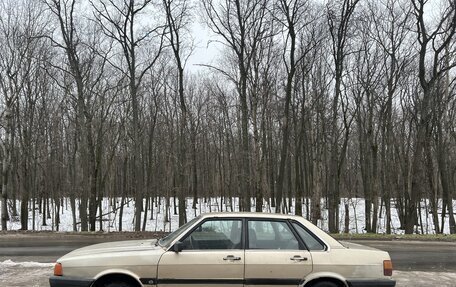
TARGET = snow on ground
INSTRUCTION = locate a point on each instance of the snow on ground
(30, 274)
(28, 264)
(158, 223)
(424, 279)
(24, 274)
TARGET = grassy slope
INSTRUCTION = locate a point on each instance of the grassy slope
(389, 237)
(8, 235)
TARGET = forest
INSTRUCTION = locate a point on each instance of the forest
(306, 103)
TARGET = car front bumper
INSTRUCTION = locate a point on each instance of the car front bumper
(66, 281)
(372, 283)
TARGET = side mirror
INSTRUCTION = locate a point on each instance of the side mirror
(178, 247)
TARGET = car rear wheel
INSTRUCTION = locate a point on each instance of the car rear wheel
(325, 284)
(117, 284)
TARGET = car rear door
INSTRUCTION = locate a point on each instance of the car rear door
(274, 256)
(212, 255)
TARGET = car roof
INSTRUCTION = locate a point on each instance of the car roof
(249, 215)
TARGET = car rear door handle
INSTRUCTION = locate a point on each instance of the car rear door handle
(231, 257)
(298, 258)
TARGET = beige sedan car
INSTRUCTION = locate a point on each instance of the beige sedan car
(232, 250)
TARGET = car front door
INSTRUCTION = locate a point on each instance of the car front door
(274, 256)
(212, 255)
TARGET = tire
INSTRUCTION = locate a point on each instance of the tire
(117, 284)
(324, 284)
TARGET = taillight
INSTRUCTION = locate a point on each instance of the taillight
(387, 268)
(58, 270)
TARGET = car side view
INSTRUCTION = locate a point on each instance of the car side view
(229, 249)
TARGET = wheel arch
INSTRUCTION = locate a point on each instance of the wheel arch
(326, 276)
(114, 275)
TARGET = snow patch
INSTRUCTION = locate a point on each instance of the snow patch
(28, 264)
(164, 218)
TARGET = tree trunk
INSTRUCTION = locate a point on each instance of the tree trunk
(6, 162)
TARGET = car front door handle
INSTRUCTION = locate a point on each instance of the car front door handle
(231, 257)
(298, 258)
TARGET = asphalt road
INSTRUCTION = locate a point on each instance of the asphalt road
(406, 255)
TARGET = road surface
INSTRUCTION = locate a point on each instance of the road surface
(27, 260)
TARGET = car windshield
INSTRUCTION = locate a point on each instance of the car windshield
(165, 241)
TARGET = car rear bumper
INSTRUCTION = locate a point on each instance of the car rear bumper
(371, 283)
(65, 281)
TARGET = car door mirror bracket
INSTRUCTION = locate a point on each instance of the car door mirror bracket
(178, 247)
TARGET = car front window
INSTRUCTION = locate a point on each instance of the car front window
(166, 241)
(215, 234)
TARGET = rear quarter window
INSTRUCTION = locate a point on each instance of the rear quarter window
(312, 243)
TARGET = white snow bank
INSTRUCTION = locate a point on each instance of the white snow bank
(164, 219)
(28, 264)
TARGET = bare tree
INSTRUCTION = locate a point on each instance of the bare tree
(294, 19)
(178, 18)
(85, 74)
(241, 25)
(368, 73)
(19, 30)
(119, 21)
(265, 67)
(433, 47)
(29, 117)
(391, 31)
(339, 17)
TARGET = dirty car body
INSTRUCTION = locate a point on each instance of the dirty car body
(228, 249)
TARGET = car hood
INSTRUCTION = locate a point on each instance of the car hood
(138, 256)
(115, 247)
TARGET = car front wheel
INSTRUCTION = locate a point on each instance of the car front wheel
(117, 284)
(325, 284)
